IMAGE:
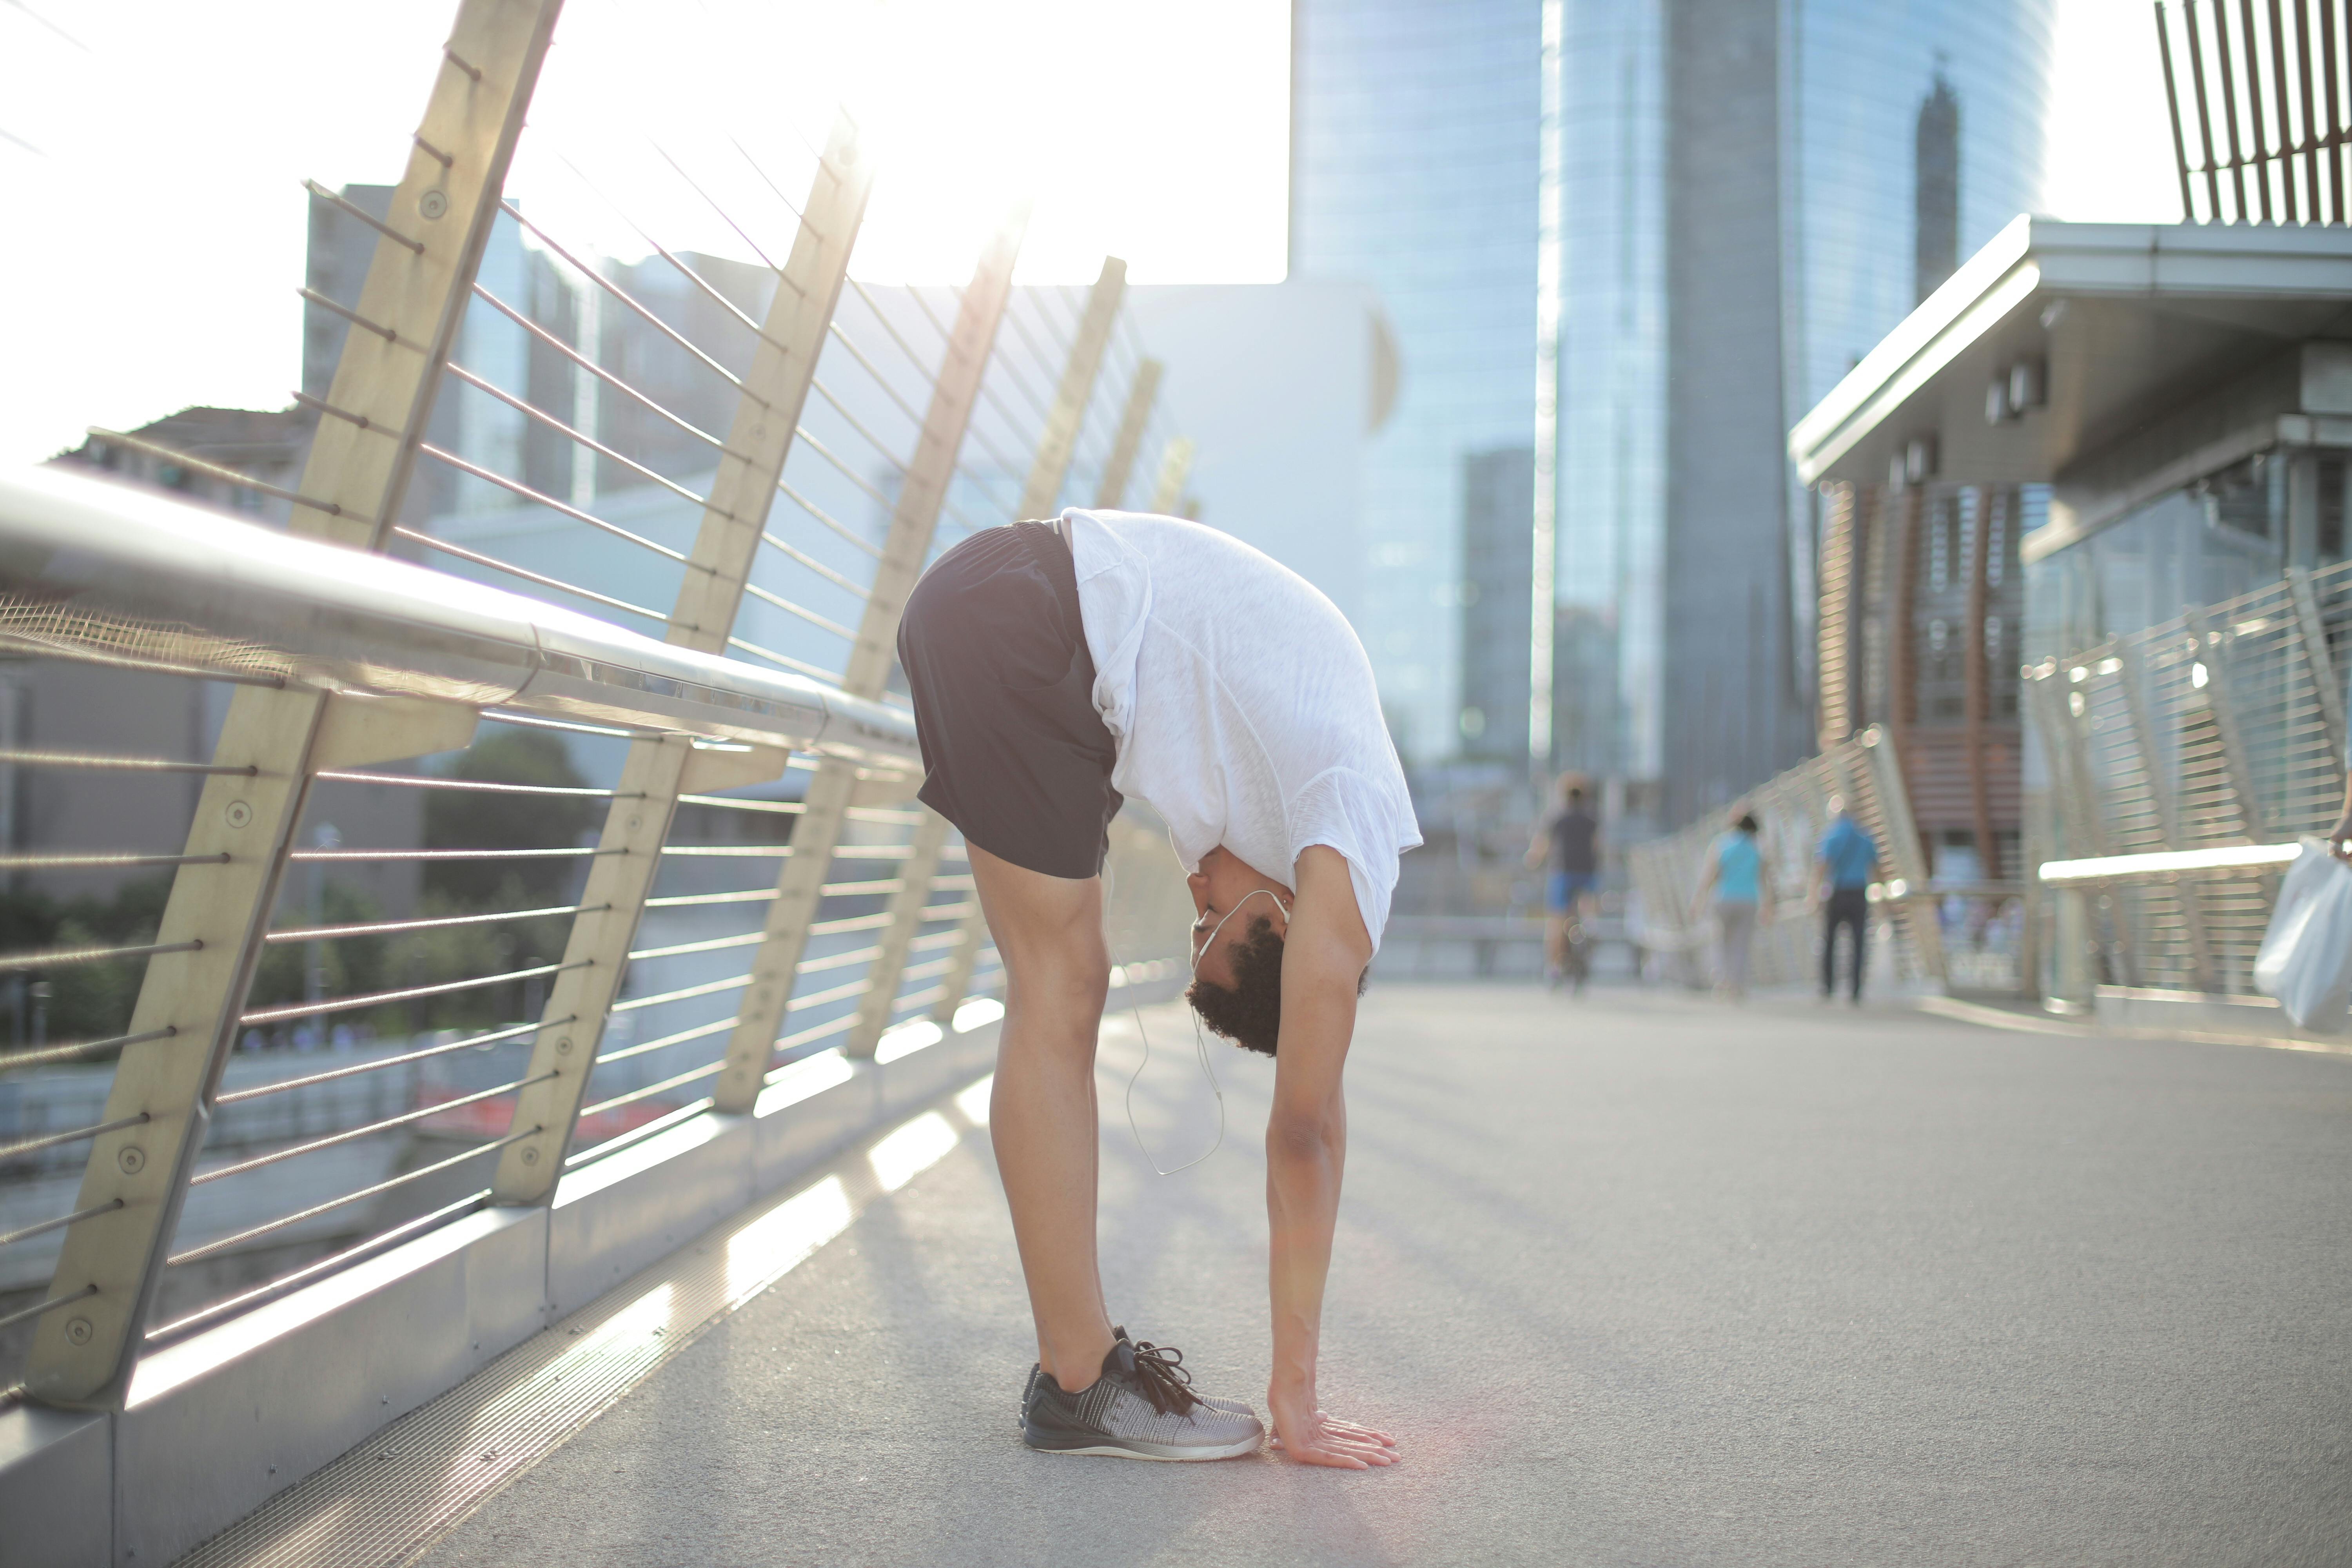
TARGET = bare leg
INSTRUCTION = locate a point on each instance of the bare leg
(1581, 910)
(1041, 1115)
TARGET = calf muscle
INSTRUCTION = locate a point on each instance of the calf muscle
(1042, 1119)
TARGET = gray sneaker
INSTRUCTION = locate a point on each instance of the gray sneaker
(1175, 1359)
(1140, 1408)
(1172, 1355)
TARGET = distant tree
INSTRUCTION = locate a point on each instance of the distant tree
(471, 819)
(87, 1001)
(94, 1000)
(352, 964)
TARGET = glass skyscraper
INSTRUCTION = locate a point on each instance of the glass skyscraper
(1413, 168)
(1801, 154)
(1859, 75)
(1613, 369)
(1741, 216)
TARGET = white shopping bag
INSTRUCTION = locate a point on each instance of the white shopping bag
(2306, 958)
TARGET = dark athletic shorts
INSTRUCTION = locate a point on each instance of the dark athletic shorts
(1014, 752)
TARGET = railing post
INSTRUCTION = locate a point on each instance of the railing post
(1037, 498)
(356, 477)
(2046, 701)
(1175, 468)
(1917, 914)
(1111, 493)
(2132, 687)
(2078, 980)
(906, 907)
(776, 961)
(2311, 631)
(930, 838)
(783, 364)
(2236, 766)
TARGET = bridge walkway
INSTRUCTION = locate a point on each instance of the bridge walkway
(1638, 1278)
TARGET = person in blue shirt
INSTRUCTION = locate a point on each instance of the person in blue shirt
(1845, 866)
(1735, 874)
(1565, 844)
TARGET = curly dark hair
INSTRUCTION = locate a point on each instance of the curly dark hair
(1249, 1011)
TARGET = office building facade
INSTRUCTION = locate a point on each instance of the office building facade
(1414, 168)
(1497, 601)
(1751, 198)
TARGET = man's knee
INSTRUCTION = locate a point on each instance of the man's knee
(1073, 976)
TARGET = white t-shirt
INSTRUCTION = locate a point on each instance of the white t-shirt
(1243, 705)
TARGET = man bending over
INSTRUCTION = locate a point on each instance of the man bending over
(1056, 668)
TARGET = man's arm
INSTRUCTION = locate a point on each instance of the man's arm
(1307, 1150)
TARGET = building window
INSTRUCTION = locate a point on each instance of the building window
(1943, 543)
(2238, 497)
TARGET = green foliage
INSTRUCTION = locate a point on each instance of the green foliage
(469, 819)
(351, 964)
(87, 1001)
(463, 952)
(362, 965)
(93, 1001)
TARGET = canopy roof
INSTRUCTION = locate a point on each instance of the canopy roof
(2116, 322)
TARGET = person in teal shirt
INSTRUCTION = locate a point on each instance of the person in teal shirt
(1736, 873)
(1845, 864)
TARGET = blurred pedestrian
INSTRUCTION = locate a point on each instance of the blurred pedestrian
(1736, 875)
(1567, 846)
(1843, 868)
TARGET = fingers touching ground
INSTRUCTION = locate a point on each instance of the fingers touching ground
(1341, 1445)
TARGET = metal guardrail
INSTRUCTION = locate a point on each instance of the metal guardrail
(648, 873)
(99, 568)
(1964, 936)
(2090, 931)
(2183, 760)
(2165, 863)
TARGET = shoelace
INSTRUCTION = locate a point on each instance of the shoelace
(1160, 1375)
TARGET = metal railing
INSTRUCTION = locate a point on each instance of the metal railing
(2182, 763)
(591, 814)
(1792, 814)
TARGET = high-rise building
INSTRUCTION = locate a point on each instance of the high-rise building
(1498, 602)
(1935, 206)
(1751, 196)
(1414, 168)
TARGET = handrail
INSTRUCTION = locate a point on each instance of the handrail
(91, 557)
(2166, 863)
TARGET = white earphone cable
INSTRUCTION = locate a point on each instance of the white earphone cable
(1200, 1044)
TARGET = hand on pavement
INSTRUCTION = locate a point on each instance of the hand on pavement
(1311, 1437)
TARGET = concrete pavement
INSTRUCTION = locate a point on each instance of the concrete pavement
(1634, 1279)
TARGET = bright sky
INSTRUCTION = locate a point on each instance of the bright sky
(151, 154)
(2110, 146)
